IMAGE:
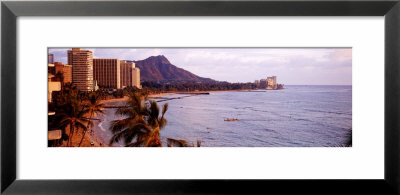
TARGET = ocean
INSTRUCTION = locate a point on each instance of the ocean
(297, 116)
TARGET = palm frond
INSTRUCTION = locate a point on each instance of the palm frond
(137, 130)
(65, 122)
(117, 136)
(125, 112)
(164, 109)
(177, 143)
(154, 109)
(153, 112)
(134, 144)
(81, 126)
(119, 125)
(142, 124)
(162, 122)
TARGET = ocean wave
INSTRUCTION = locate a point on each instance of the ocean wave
(328, 112)
(101, 126)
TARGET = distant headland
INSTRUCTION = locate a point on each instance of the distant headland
(269, 83)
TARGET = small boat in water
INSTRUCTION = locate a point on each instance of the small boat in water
(231, 119)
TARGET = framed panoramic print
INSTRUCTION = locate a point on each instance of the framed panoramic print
(199, 97)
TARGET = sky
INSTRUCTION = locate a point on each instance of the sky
(292, 66)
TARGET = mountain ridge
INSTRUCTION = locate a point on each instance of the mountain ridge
(160, 69)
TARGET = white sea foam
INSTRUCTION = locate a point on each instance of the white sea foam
(101, 126)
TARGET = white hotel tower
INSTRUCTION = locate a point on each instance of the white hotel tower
(82, 68)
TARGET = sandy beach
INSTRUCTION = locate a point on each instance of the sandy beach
(160, 94)
(87, 141)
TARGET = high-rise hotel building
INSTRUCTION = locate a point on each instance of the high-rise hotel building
(126, 73)
(272, 84)
(107, 72)
(130, 75)
(136, 78)
(82, 68)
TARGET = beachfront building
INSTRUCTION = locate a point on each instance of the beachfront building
(50, 58)
(65, 70)
(130, 75)
(52, 86)
(272, 83)
(136, 78)
(107, 72)
(263, 83)
(126, 73)
(82, 68)
(257, 83)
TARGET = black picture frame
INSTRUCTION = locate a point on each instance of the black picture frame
(11, 10)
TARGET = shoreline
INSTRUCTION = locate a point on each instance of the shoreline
(192, 92)
(99, 135)
(162, 94)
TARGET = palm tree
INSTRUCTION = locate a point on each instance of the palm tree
(93, 107)
(156, 122)
(69, 89)
(74, 116)
(142, 123)
(72, 113)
